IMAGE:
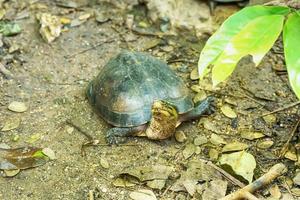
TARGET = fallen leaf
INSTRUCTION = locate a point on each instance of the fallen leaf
(21, 158)
(11, 123)
(234, 146)
(250, 135)
(11, 173)
(240, 164)
(216, 190)
(196, 171)
(124, 182)
(199, 140)
(49, 152)
(156, 184)
(200, 96)
(275, 191)
(16, 106)
(213, 154)
(265, 144)
(142, 195)
(9, 28)
(50, 26)
(189, 150)
(217, 140)
(228, 111)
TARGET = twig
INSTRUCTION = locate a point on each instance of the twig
(286, 145)
(89, 137)
(280, 109)
(225, 174)
(165, 192)
(121, 36)
(271, 175)
(5, 72)
(90, 48)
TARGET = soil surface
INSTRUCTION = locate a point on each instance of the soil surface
(51, 80)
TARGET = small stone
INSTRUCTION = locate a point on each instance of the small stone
(104, 163)
(15, 138)
(17, 106)
(194, 74)
(70, 129)
(199, 140)
(50, 153)
(180, 136)
(84, 16)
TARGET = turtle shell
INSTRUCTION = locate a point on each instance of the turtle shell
(126, 87)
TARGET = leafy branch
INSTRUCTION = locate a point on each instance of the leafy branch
(253, 31)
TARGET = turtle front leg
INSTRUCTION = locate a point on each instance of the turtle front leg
(163, 121)
(204, 107)
(119, 135)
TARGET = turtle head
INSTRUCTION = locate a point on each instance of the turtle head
(90, 93)
(163, 121)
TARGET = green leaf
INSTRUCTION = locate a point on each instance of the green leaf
(232, 26)
(291, 41)
(255, 39)
(9, 28)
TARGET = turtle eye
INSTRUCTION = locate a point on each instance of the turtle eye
(90, 94)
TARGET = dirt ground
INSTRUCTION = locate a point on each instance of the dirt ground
(51, 80)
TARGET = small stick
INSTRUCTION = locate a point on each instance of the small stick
(5, 72)
(286, 145)
(225, 174)
(272, 174)
(280, 109)
(69, 122)
(90, 48)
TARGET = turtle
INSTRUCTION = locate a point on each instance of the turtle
(141, 95)
(213, 3)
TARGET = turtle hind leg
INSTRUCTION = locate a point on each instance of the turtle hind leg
(204, 107)
(119, 135)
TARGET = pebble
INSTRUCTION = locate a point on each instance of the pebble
(17, 106)
(180, 136)
(104, 163)
(194, 74)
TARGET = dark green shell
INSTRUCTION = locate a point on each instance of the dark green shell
(125, 88)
